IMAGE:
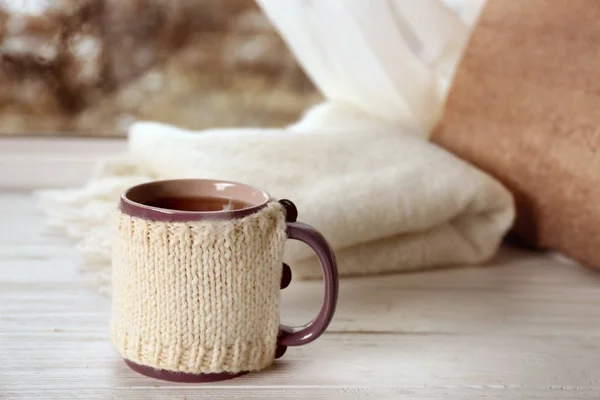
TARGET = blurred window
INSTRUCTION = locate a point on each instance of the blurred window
(92, 67)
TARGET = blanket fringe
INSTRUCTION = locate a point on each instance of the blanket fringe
(81, 215)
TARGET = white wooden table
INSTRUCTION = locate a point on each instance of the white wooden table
(524, 327)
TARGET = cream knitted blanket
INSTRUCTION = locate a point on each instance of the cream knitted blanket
(367, 178)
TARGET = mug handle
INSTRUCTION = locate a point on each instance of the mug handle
(298, 336)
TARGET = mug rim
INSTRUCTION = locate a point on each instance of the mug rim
(140, 210)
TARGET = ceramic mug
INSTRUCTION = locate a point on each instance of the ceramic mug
(197, 273)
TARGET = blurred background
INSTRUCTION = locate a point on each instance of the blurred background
(92, 67)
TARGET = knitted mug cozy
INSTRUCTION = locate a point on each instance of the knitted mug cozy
(199, 296)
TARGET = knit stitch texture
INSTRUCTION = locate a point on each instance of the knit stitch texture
(198, 297)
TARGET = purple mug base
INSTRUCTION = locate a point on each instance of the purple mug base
(181, 376)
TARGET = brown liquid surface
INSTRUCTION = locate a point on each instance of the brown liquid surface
(197, 203)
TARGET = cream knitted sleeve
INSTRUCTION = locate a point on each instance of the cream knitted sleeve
(198, 297)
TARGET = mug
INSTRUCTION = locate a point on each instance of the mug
(197, 272)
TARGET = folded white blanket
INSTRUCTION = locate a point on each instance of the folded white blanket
(385, 199)
(359, 167)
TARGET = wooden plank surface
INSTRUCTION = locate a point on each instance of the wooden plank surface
(527, 326)
(53, 162)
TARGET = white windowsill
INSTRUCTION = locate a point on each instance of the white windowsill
(34, 162)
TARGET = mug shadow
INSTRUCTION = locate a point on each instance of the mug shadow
(453, 299)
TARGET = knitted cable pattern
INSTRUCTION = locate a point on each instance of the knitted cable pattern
(198, 297)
